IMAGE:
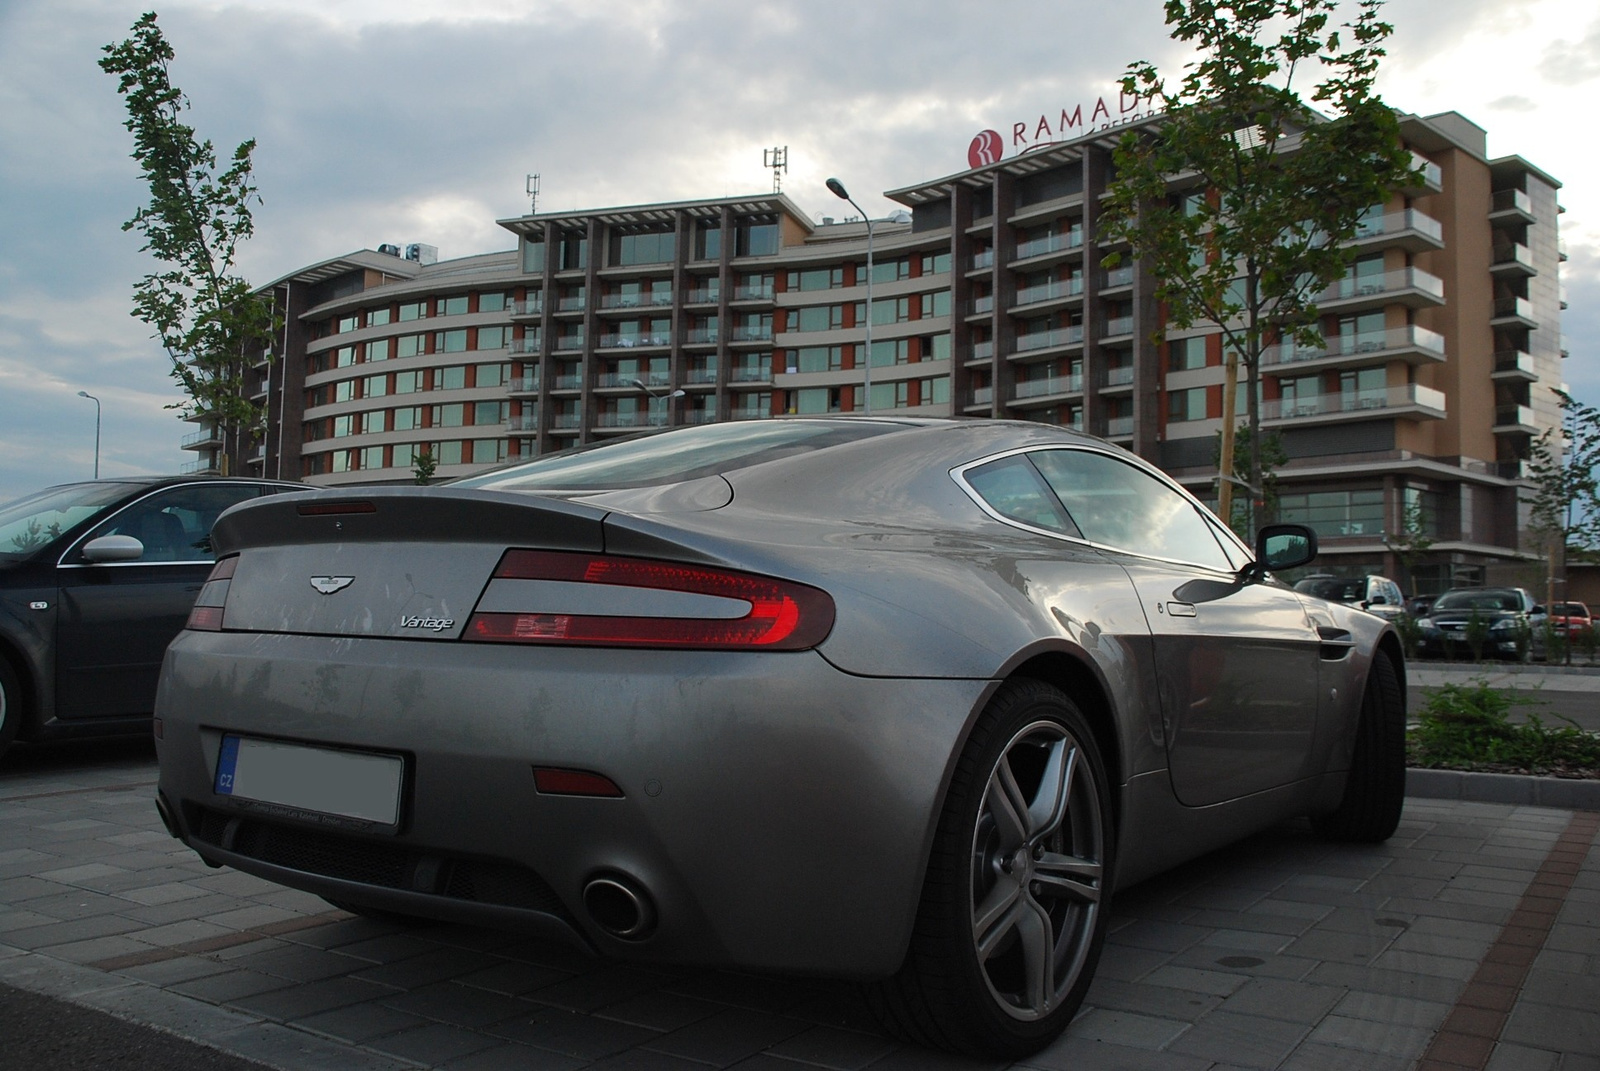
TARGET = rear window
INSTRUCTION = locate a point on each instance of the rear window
(1487, 600)
(675, 456)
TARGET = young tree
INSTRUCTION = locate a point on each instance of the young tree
(1271, 190)
(1410, 543)
(206, 317)
(1564, 500)
(1244, 512)
(424, 465)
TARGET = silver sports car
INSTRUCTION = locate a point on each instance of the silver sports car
(898, 700)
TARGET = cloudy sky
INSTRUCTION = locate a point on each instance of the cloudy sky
(417, 120)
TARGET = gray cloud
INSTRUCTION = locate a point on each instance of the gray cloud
(1573, 62)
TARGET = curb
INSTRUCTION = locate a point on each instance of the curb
(1567, 794)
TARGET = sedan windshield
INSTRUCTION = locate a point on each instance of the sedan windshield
(31, 522)
(1488, 601)
(673, 457)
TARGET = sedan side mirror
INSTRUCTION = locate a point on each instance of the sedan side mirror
(1284, 546)
(113, 548)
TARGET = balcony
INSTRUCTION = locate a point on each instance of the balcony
(1119, 427)
(1514, 420)
(983, 351)
(1412, 344)
(1047, 387)
(1512, 259)
(1411, 230)
(1510, 206)
(1513, 312)
(763, 292)
(983, 396)
(1431, 179)
(202, 467)
(572, 303)
(527, 422)
(635, 301)
(628, 342)
(523, 385)
(1118, 376)
(568, 382)
(1071, 335)
(1055, 290)
(1411, 287)
(698, 416)
(200, 440)
(752, 334)
(701, 336)
(982, 260)
(699, 376)
(534, 306)
(1516, 469)
(527, 344)
(1048, 244)
(605, 419)
(760, 374)
(626, 379)
(569, 342)
(565, 421)
(750, 414)
(1117, 325)
(702, 297)
(982, 305)
(1514, 366)
(1117, 277)
(1412, 399)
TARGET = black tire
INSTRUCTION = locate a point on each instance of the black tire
(11, 708)
(1375, 792)
(1013, 913)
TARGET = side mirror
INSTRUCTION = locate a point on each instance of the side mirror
(1377, 600)
(113, 548)
(1284, 546)
(1538, 609)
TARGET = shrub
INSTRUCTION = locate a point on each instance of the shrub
(1469, 726)
(1477, 635)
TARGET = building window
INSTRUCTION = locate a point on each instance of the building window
(815, 279)
(817, 359)
(448, 453)
(348, 323)
(410, 345)
(891, 352)
(654, 248)
(492, 302)
(708, 241)
(452, 378)
(377, 317)
(454, 305)
(890, 271)
(532, 257)
(574, 253)
(757, 238)
(492, 375)
(450, 416)
(490, 412)
(1335, 513)
(372, 422)
(1186, 354)
(1185, 405)
(935, 264)
(408, 418)
(374, 386)
(408, 382)
(412, 311)
(493, 338)
(450, 341)
(378, 351)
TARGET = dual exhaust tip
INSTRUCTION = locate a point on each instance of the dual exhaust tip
(620, 906)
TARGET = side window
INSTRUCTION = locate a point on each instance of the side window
(1117, 505)
(1013, 488)
(175, 525)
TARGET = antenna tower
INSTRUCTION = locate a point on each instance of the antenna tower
(532, 189)
(778, 161)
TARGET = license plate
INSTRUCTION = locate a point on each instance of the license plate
(348, 784)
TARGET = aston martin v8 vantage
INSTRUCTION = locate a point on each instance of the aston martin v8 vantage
(904, 701)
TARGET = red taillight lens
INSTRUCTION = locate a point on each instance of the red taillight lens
(207, 613)
(555, 781)
(603, 601)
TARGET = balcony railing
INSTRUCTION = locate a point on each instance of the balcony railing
(750, 414)
(1119, 425)
(983, 259)
(983, 303)
(534, 306)
(1387, 283)
(1511, 201)
(1050, 243)
(983, 351)
(565, 420)
(204, 435)
(1520, 416)
(527, 344)
(624, 342)
(763, 292)
(700, 375)
(1512, 254)
(1117, 277)
(604, 419)
(626, 379)
(570, 382)
(635, 301)
(573, 303)
(982, 396)
(752, 334)
(1040, 340)
(525, 422)
(1431, 172)
(698, 416)
(523, 384)
(1395, 222)
(1513, 306)
(1051, 291)
(1119, 375)
(1039, 388)
(569, 342)
(1117, 325)
(1514, 361)
(1396, 338)
(701, 335)
(701, 297)
(1411, 394)
(759, 374)
(202, 467)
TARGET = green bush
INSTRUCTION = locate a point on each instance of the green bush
(1410, 634)
(1468, 726)
(1477, 635)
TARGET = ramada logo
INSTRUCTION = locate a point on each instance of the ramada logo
(985, 149)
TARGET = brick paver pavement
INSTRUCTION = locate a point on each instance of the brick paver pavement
(1280, 952)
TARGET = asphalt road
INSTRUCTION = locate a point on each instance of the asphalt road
(1549, 694)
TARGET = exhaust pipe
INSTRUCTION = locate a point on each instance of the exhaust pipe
(620, 907)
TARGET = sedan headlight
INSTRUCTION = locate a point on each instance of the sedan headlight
(1426, 624)
(1503, 626)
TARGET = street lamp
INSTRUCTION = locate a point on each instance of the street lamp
(837, 189)
(655, 395)
(96, 401)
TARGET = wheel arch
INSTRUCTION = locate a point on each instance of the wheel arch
(1389, 643)
(23, 669)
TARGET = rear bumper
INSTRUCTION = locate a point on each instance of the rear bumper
(776, 810)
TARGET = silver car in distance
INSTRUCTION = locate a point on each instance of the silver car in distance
(897, 700)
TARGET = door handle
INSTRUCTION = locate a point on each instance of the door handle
(1180, 609)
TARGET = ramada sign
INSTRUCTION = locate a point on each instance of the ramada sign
(989, 146)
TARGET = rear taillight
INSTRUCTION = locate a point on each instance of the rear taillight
(207, 613)
(558, 597)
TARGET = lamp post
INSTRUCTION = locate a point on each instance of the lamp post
(655, 395)
(96, 401)
(837, 189)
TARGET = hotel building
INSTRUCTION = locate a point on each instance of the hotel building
(989, 299)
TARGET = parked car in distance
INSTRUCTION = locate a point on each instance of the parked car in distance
(894, 699)
(96, 579)
(1569, 617)
(1374, 594)
(1503, 615)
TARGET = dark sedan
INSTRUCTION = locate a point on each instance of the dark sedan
(893, 699)
(95, 580)
(1472, 622)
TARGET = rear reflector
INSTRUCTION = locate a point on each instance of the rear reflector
(323, 509)
(552, 781)
(206, 616)
(781, 615)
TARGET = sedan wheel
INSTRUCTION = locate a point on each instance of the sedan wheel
(1012, 917)
(10, 706)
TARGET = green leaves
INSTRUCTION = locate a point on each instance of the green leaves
(1565, 497)
(207, 318)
